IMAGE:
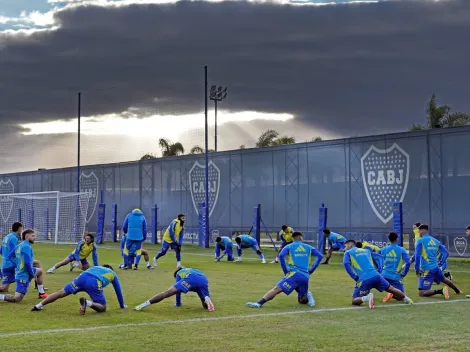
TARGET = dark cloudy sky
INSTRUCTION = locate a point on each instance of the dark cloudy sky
(339, 70)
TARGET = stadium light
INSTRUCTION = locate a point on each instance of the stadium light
(217, 94)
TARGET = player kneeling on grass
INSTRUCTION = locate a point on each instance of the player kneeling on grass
(92, 282)
(144, 253)
(359, 264)
(186, 280)
(9, 263)
(297, 272)
(25, 270)
(82, 251)
(335, 243)
(429, 257)
(224, 244)
(246, 241)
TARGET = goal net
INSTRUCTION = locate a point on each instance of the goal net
(55, 216)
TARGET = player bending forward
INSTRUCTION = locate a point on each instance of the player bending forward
(297, 272)
(246, 241)
(91, 281)
(335, 243)
(186, 280)
(173, 238)
(225, 244)
(286, 238)
(144, 253)
(82, 251)
(359, 264)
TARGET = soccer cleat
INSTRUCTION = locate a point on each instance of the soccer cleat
(50, 271)
(311, 300)
(149, 267)
(274, 262)
(371, 300)
(136, 267)
(71, 266)
(238, 260)
(138, 308)
(263, 261)
(42, 295)
(388, 297)
(448, 275)
(210, 305)
(35, 309)
(121, 266)
(410, 301)
(253, 305)
(179, 266)
(82, 301)
(445, 291)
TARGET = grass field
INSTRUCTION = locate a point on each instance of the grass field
(431, 324)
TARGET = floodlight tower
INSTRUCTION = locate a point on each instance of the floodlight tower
(217, 94)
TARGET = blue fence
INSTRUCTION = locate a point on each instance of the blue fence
(358, 179)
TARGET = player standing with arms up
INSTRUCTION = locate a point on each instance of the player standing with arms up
(173, 238)
(135, 229)
(335, 243)
(286, 238)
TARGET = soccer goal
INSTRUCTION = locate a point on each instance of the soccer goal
(55, 216)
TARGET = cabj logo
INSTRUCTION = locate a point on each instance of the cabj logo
(89, 184)
(197, 177)
(460, 244)
(6, 203)
(385, 174)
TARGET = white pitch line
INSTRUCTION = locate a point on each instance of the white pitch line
(200, 320)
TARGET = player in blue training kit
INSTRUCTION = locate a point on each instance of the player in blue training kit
(91, 281)
(173, 238)
(297, 272)
(430, 255)
(396, 264)
(226, 245)
(335, 243)
(9, 262)
(359, 264)
(187, 280)
(145, 254)
(135, 229)
(82, 251)
(25, 270)
(246, 241)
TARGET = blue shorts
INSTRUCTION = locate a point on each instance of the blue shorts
(363, 288)
(89, 284)
(72, 258)
(8, 276)
(166, 246)
(428, 278)
(132, 247)
(294, 281)
(398, 284)
(337, 246)
(194, 283)
(22, 286)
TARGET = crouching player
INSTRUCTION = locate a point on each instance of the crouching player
(9, 263)
(226, 245)
(286, 238)
(144, 252)
(92, 282)
(82, 251)
(359, 264)
(25, 270)
(396, 264)
(335, 243)
(187, 280)
(246, 241)
(297, 272)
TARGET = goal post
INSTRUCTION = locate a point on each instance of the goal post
(58, 217)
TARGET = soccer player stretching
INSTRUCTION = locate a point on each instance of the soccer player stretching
(286, 238)
(145, 254)
(173, 238)
(297, 272)
(369, 246)
(135, 228)
(245, 241)
(359, 264)
(25, 271)
(9, 263)
(335, 243)
(430, 255)
(396, 264)
(187, 280)
(91, 281)
(223, 243)
(82, 251)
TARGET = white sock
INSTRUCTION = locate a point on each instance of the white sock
(89, 303)
(147, 263)
(407, 299)
(365, 298)
(178, 263)
(39, 306)
(240, 258)
(145, 304)
(41, 288)
(2, 297)
(207, 299)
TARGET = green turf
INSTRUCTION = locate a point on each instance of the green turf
(435, 327)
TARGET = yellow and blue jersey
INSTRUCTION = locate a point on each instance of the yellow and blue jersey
(417, 236)
(361, 263)
(9, 244)
(394, 257)
(430, 253)
(104, 277)
(187, 272)
(247, 241)
(297, 257)
(24, 262)
(335, 238)
(371, 247)
(286, 236)
(174, 233)
(83, 251)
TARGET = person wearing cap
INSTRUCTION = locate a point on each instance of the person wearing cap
(135, 230)
(297, 271)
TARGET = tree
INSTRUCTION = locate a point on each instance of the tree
(199, 150)
(270, 137)
(148, 156)
(170, 149)
(317, 139)
(242, 146)
(284, 140)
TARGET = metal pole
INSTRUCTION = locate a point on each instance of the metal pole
(215, 129)
(78, 139)
(206, 135)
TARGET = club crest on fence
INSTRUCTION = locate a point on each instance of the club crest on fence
(460, 244)
(197, 176)
(89, 184)
(6, 203)
(385, 174)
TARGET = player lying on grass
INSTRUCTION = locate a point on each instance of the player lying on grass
(25, 270)
(187, 280)
(335, 243)
(92, 282)
(135, 229)
(144, 253)
(396, 264)
(82, 251)
(173, 238)
(286, 238)
(359, 264)
(246, 241)
(224, 244)
(429, 257)
(297, 272)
